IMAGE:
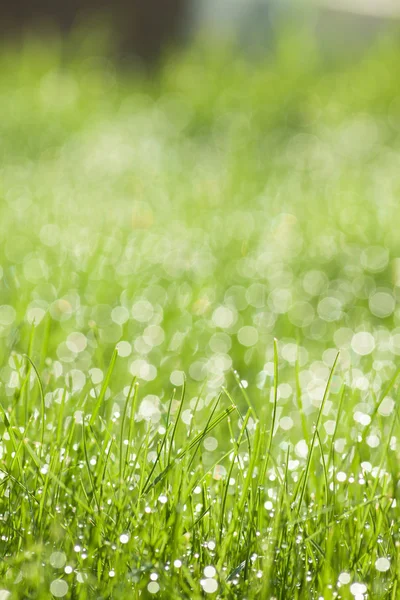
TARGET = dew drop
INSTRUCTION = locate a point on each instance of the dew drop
(59, 588)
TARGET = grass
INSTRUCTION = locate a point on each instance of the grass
(199, 326)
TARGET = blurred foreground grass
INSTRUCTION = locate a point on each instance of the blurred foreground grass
(187, 222)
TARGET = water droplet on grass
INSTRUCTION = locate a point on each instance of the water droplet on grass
(382, 564)
(344, 578)
(58, 560)
(177, 563)
(211, 545)
(209, 585)
(210, 571)
(124, 538)
(358, 589)
(59, 588)
(153, 587)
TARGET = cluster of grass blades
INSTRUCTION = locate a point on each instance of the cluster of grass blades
(109, 506)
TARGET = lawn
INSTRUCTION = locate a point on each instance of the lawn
(200, 326)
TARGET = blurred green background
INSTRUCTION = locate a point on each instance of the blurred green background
(197, 213)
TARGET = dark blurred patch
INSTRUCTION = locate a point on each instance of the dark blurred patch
(142, 28)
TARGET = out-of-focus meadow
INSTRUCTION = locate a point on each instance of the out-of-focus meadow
(186, 220)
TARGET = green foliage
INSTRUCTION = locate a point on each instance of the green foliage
(199, 325)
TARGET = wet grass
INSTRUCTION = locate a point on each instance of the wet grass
(200, 333)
